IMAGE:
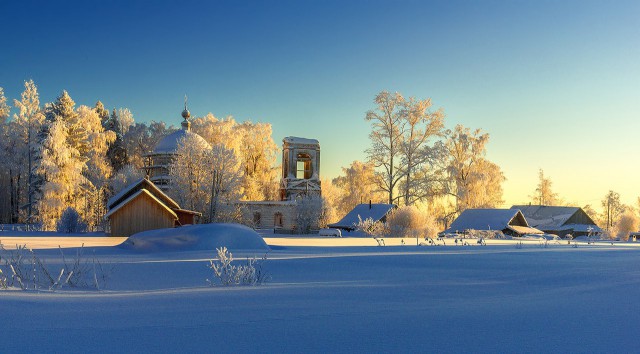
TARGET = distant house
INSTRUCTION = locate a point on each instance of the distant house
(142, 206)
(509, 221)
(376, 212)
(559, 220)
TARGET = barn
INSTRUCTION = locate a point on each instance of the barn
(559, 220)
(142, 206)
(375, 212)
(509, 221)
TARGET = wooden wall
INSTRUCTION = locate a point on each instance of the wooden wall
(141, 214)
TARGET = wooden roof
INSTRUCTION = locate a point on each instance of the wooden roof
(136, 186)
(136, 195)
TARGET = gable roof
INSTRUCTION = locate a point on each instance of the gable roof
(140, 184)
(135, 195)
(374, 211)
(492, 219)
(556, 217)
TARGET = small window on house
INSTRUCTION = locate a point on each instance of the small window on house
(256, 219)
(278, 220)
(303, 166)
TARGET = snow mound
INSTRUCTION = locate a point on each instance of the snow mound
(196, 237)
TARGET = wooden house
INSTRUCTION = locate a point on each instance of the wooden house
(142, 206)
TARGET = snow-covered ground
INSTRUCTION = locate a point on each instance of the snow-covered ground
(340, 295)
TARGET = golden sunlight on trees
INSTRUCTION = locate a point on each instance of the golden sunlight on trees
(403, 149)
(544, 194)
(356, 186)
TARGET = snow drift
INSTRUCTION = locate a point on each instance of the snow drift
(196, 237)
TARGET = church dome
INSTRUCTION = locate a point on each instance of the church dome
(169, 144)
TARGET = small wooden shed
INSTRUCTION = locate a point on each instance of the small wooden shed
(142, 206)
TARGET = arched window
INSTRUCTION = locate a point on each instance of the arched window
(278, 220)
(303, 166)
(256, 219)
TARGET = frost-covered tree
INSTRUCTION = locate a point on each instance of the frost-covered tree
(141, 139)
(190, 173)
(409, 221)
(628, 222)
(420, 124)
(20, 148)
(205, 178)
(226, 180)
(124, 177)
(386, 138)
(544, 194)
(117, 151)
(469, 174)
(62, 169)
(330, 196)
(253, 145)
(98, 169)
(308, 213)
(612, 208)
(258, 154)
(356, 185)
(98, 140)
(103, 113)
(4, 108)
(485, 186)
(70, 222)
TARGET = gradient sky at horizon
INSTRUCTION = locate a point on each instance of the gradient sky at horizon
(554, 83)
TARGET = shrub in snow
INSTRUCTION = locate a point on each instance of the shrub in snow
(375, 229)
(251, 273)
(409, 221)
(486, 234)
(70, 221)
(25, 270)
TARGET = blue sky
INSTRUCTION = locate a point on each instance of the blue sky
(554, 83)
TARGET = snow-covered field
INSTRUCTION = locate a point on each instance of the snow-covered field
(337, 295)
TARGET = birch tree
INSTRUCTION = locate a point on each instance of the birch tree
(386, 138)
(418, 158)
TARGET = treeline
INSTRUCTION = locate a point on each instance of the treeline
(58, 155)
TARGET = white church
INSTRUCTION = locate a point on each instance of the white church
(300, 176)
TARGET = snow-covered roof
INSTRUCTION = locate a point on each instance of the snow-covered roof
(546, 217)
(492, 219)
(136, 195)
(142, 183)
(169, 144)
(374, 211)
(296, 140)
